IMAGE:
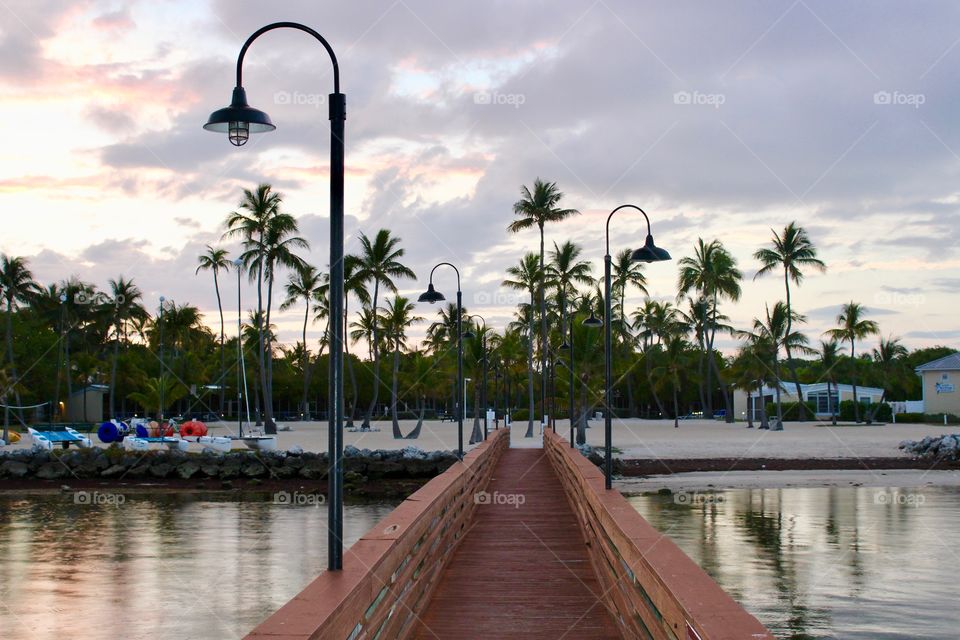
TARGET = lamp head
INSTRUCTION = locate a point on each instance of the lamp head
(431, 295)
(564, 346)
(649, 252)
(469, 335)
(593, 322)
(239, 120)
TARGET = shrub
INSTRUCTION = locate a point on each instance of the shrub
(911, 417)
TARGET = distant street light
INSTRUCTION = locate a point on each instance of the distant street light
(483, 390)
(649, 252)
(238, 121)
(433, 296)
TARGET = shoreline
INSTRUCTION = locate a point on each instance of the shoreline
(705, 481)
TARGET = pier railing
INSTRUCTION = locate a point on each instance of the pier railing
(389, 574)
(653, 589)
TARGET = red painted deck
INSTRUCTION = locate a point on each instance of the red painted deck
(521, 571)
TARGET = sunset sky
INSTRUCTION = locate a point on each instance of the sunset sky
(721, 120)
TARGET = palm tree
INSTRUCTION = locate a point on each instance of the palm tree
(397, 319)
(421, 374)
(654, 321)
(888, 358)
(829, 357)
(853, 327)
(713, 273)
(353, 283)
(537, 208)
(165, 387)
(125, 297)
(18, 287)
(772, 332)
(269, 240)
(526, 277)
(793, 250)
(675, 351)
(215, 260)
(303, 284)
(380, 263)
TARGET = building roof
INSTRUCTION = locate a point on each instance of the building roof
(787, 387)
(946, 363)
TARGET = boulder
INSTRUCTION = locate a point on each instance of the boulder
(113, 471)
(14, 468)
(52, 471)
(160, 469)
(187, 469)
(253, 469)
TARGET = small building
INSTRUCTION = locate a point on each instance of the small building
(816, 393)
(939, 383)
(87, 404)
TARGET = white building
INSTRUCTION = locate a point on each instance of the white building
(816, 393)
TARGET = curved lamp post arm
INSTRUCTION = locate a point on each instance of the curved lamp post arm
(289, 25)
(626, 206)
(440, 264)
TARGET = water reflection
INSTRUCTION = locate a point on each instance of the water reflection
(832, 562)
(170, 566)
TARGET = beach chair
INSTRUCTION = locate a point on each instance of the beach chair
(64, 436)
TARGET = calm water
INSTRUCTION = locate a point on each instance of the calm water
(157, 567)
(851, 563)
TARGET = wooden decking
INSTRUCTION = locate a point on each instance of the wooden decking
(522, 571)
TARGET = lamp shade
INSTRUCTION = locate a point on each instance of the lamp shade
(593, 322)
(239, 120)
(431, 295)
(649, 252)
(564, 346)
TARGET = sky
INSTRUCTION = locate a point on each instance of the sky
(721, 120)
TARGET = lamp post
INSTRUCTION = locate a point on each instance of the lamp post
(649, 252)
(483, 389)
(162, 372)
(433, 296)
(238, 121)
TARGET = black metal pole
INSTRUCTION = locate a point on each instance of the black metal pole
(608, 374)
(239, 355)
(572, 389)
(162, 372)
(460, 386)
(338, 116)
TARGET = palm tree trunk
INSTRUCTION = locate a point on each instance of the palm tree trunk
(375, 350)
(306, 363)
(413, 435)
(543, 336)
(676, 408)
(582, 414)
(349, 361)
(776, 367)
(833, 407)
(397, 434)
(790, 365)
(270, 425)
(764, 420)
(223, 362)
(653, 387)
(853, 381)
(13, 365)
(529, 433)
(476, 435)
(749, 406)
